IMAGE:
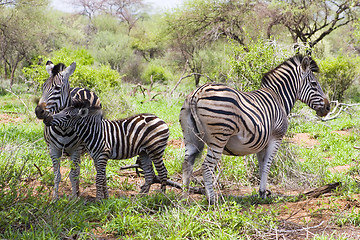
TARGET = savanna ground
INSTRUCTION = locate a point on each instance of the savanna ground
(314, 154)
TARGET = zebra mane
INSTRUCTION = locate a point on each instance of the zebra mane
(58, 68)
(84, 103)
(295, 60)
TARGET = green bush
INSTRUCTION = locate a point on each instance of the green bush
(250, 63)
(85, 75)
(156, 72)
(337, 75)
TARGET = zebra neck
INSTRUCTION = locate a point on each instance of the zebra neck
(67, 103)
(286, 98)
(285, 87)
(90, 131)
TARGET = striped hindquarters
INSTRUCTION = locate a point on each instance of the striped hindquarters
(130, 136)
(221, 112)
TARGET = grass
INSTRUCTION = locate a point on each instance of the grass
(26, 180)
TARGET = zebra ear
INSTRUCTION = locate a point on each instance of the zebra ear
(305, 63)
(49, 67)
(69, 70)
(83, 112)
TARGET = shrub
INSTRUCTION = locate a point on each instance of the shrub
(156, 72)
(85, 75)
(250, 63)
(337, 75)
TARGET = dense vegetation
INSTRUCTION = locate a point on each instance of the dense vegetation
(139, 60)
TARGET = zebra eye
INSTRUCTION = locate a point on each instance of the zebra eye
(67, 116)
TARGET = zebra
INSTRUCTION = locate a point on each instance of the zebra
(56, 95)
(144, 135)
(239, 123)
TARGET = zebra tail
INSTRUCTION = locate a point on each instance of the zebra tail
(195, 116)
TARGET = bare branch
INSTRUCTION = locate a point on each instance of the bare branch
(335, 113)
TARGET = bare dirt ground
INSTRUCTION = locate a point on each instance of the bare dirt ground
(302, 219)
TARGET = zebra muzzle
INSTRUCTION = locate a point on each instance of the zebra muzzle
(41, 112)
(322, 112)
(48, 121)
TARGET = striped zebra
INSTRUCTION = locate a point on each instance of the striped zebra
(240, 123)
(144, 135)
(56, 95)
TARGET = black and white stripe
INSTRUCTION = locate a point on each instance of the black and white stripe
(241, 123)
(56, 95)
(143, 135)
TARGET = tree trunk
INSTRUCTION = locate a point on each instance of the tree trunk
(13, 74)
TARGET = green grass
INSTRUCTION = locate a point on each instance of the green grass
(27, 212)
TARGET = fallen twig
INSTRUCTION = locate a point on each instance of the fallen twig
(343, 107)
(322, 190)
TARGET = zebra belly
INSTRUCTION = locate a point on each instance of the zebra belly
(239, 146)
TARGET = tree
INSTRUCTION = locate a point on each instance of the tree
(204, 21)
(127, 11)
(22, 33)
(309, 21)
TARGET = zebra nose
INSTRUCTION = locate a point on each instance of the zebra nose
(40, 111)
(48, 121)
(327, 105)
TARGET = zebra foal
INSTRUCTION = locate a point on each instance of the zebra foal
(56, 95)
(144, 135)
(240, 123)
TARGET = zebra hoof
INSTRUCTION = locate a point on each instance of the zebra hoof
(145, 188)
(264, 194)
(213, 199)
(163, 187)
(74, 196)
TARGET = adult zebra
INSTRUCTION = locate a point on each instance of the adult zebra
(145, 135)
(240, 123)
(56, 95)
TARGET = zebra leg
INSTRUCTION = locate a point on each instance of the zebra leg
(265, 158)
(157, 158)
(149, 174)
(101, 186)
(55, 155)
(193, 147)
(193, 143)
(208, 168)
(75, 172)
(192, 151)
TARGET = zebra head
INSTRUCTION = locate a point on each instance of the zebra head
(74, 115)
(55, 90)
(310, 91)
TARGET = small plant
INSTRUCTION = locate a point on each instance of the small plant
(126, 185)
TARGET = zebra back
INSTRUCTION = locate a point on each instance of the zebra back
(124, 138)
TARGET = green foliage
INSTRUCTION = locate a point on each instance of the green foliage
(98, 79)
(112, 49)
(85, 75)
(250, 63)
(155, 73)
(337, 75)
(149, 37)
